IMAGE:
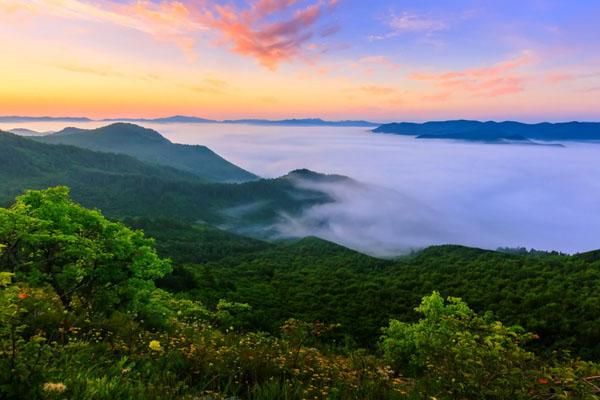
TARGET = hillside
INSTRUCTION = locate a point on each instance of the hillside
(551, 294)
(494, 132)
(149, 146)
(90, 310)
(123, 186)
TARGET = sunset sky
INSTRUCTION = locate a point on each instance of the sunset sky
(381, 60)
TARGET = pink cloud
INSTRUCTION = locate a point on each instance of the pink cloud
(369, 64)
(167, 20)
(558, 77)
(252, 33)
(499, 79)
(270, 31)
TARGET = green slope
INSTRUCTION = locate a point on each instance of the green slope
(554, 295)
(148, 145)
(122, 186)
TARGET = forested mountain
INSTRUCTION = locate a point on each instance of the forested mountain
(555, 295)
(123, 186)
(89, 310)
(491, 131)
(148, 145)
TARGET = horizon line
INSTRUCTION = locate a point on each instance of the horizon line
(257, 119)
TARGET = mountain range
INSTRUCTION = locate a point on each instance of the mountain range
(148, 145)
(126, 186)
(15, 118)
(496, 132)
(309, 279)
(197, 120)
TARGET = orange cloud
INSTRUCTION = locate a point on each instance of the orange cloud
(376, 90)
(169, 21)
(496, 80)
(250, 32)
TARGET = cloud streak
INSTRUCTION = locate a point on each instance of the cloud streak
(408, 23)
(500, 79)
(252, 33)
(169, 21)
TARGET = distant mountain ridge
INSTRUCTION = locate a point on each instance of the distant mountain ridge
(150, 146)
(302, 122)
(166, 120)
(15, 118)
(28, 132)
(185, 119)
(123, 186)
(495, 132)
(249, 121)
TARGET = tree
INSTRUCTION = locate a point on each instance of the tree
(89, 261)
(457, 353)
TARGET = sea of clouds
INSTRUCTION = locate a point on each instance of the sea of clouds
(415, 193)
(423, 192)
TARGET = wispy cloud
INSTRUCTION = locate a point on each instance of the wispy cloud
(169, 21)
(368, 65)
(209, 86)
(411, 23)
(497, 80)
(558, 77)
(375, 90)
(252, 32)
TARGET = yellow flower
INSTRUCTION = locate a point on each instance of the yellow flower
(155, 345)
(54, 387)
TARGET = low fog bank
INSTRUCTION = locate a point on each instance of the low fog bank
(369, 218)
(421, 192)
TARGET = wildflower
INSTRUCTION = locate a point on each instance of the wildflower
(23, 296)
(54, 387)
(155, 345)
(543, 381)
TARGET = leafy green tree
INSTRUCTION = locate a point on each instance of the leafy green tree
(457, 353)
(89, 261)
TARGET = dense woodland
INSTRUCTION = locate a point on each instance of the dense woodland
(555, 295)
(148, 300)
(90, 310)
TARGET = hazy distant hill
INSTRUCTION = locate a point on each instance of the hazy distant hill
(122, 186)
(250, 121)
(166, 120)
(14, 118)
(148, 145)
(495, 131)
(28, 132)
(302, 122)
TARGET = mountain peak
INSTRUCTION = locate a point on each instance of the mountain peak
(150, 146)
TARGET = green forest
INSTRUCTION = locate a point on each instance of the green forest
(126, 279)
(94, 309)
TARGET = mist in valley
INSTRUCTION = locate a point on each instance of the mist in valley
(413, 193)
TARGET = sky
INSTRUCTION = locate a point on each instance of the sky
(382, 60)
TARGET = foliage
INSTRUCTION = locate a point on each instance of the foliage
(90, 262)
(81, 318)
(456, 353)
(555, 295)
(123, 186)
